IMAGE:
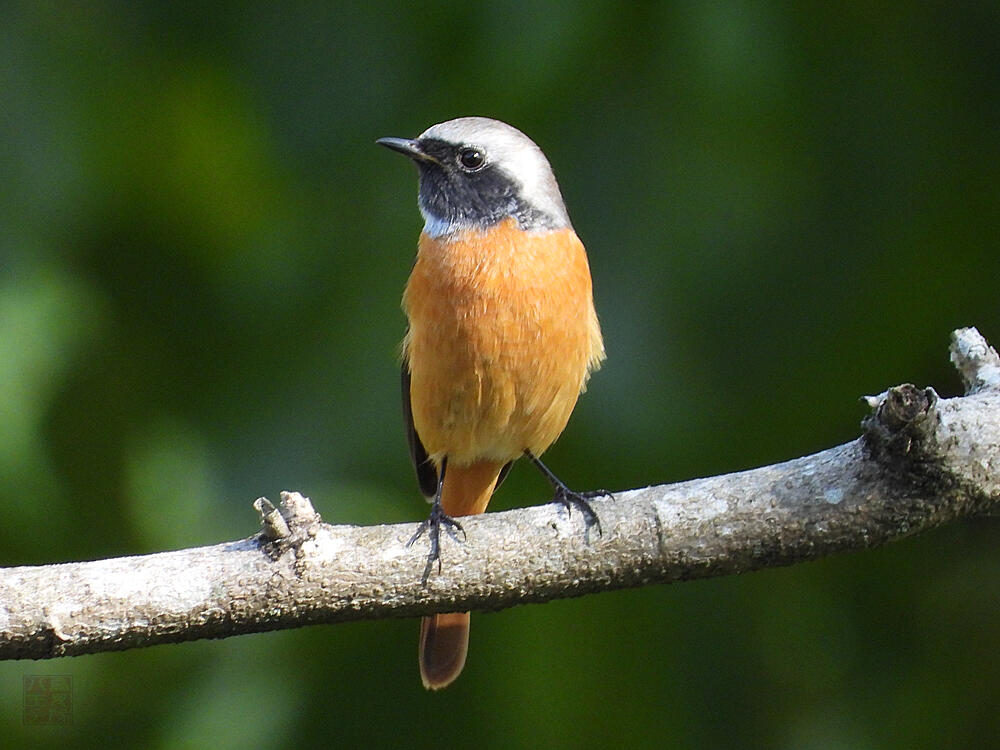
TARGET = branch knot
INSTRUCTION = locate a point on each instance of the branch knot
(289, 525)
(904, 418)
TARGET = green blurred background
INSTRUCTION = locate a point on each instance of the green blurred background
(201, 258)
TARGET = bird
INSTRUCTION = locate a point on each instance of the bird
(502, 336)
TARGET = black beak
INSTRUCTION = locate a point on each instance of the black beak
(405, 146)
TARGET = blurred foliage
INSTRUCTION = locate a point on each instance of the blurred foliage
(201, 259)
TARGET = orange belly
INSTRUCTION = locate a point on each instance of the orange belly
(502, 336)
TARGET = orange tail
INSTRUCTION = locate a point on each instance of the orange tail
(444, 638)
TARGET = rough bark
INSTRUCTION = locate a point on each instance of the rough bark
(920, 462)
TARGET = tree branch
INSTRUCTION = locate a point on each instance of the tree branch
(920, 462)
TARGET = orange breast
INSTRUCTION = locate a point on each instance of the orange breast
(502, 337)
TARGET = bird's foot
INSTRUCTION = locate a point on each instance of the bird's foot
(581, 500)
(432, 526)
(569, 498)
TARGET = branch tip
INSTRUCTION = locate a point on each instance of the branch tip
(874, 402)
(272, 523)
(298, 509)
(976, 361)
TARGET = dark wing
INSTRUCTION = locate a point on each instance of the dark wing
(427, 476)
(503, 475)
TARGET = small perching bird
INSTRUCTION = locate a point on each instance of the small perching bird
(502, 334)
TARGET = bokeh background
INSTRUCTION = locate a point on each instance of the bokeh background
(201, 258)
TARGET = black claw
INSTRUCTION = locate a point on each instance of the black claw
(568, 498)
(432, 526)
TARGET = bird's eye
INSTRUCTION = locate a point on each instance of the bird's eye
(471, 159)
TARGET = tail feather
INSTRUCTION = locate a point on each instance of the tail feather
(467, 489)
(444, 638)
(444, 642)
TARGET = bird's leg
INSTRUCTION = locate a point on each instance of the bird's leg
(569, 498)
(433, 524)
